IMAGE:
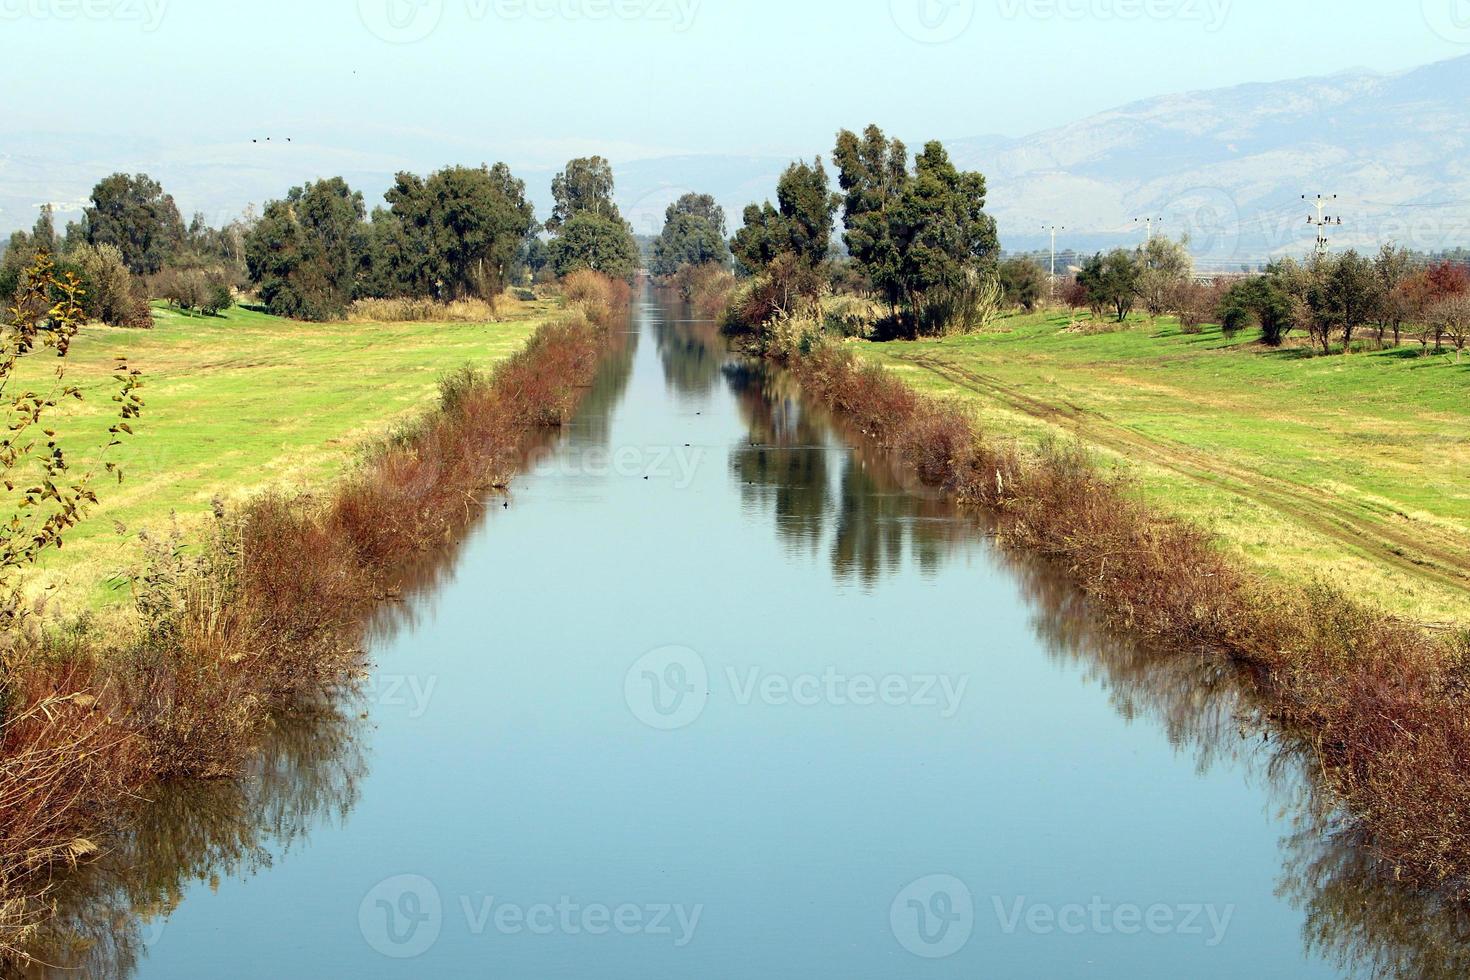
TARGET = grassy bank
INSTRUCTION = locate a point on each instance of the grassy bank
(240, 402)
(1380, 704)
(266, 616)
(1353, 469)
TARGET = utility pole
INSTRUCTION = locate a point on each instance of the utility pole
(1148, 223)
(1322, 221)
(1052, 282)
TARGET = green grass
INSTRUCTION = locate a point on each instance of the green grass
(1353, 468)
(238, 403)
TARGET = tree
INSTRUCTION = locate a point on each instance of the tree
(589, 231)
(1024, 282)
(44, 495)
(1391, 268)
(1112, 280)
(459, 233)
(1163, 265)
(111, 294)
(1351, 297)
(597, 242)
(693, 234)
(43, 235)
(922, 236)
(133, 214)
(306, 252)
(1425, 289)
(1450, 318)
(1263, 299)
(800, 224)
(586, 185)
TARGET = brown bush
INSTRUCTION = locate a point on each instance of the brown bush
(271, 615)
(1380, 703)
(706, 288)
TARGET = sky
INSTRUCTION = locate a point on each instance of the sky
(534, 82)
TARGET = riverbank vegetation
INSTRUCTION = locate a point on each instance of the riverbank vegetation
(1378, 700)
(266, 615)
(237, 403)
(1350, 469)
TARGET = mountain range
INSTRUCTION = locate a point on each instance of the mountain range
(1229, 167)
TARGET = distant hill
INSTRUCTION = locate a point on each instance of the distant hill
(1227, 166)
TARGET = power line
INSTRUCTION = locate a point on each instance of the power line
(1323, 221)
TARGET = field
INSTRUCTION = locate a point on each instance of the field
(236, 403)
(1354, 469)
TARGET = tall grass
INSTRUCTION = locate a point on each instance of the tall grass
(416, 310)
(1384, 706)
(272, 612)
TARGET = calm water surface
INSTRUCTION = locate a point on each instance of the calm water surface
(717, 696)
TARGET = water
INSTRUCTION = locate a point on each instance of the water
(717, 695)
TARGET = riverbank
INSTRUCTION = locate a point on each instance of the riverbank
(266, 616)
(1380, 703)
(1349, 469)
(240, 402)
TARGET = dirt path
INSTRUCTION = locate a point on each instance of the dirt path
(1423, 550)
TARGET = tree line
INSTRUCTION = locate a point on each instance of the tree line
(461, 232)
(1335, 300)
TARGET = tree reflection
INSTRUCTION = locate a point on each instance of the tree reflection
(797, 464)
(826, 485)
(691, 350)
(306, 776)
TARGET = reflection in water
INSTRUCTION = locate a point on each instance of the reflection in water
(850, 507)
(1356, 918)
(692, 354)
(788, 466)
(305, 777)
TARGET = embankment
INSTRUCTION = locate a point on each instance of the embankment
(268, 615)
(1381, 704)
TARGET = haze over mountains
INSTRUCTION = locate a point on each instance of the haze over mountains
(1227, 166)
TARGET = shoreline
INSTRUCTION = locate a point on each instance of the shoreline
(1377, 701)
(271, 615)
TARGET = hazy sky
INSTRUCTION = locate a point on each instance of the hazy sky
(180, 88)
(533, 80)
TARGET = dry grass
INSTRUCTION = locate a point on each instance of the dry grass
(269, 614)
(408, 310)
(1381, 703)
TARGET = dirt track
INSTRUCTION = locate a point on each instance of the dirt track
(1418, 548)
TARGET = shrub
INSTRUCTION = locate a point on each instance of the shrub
(851, 316)
(415, 310)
